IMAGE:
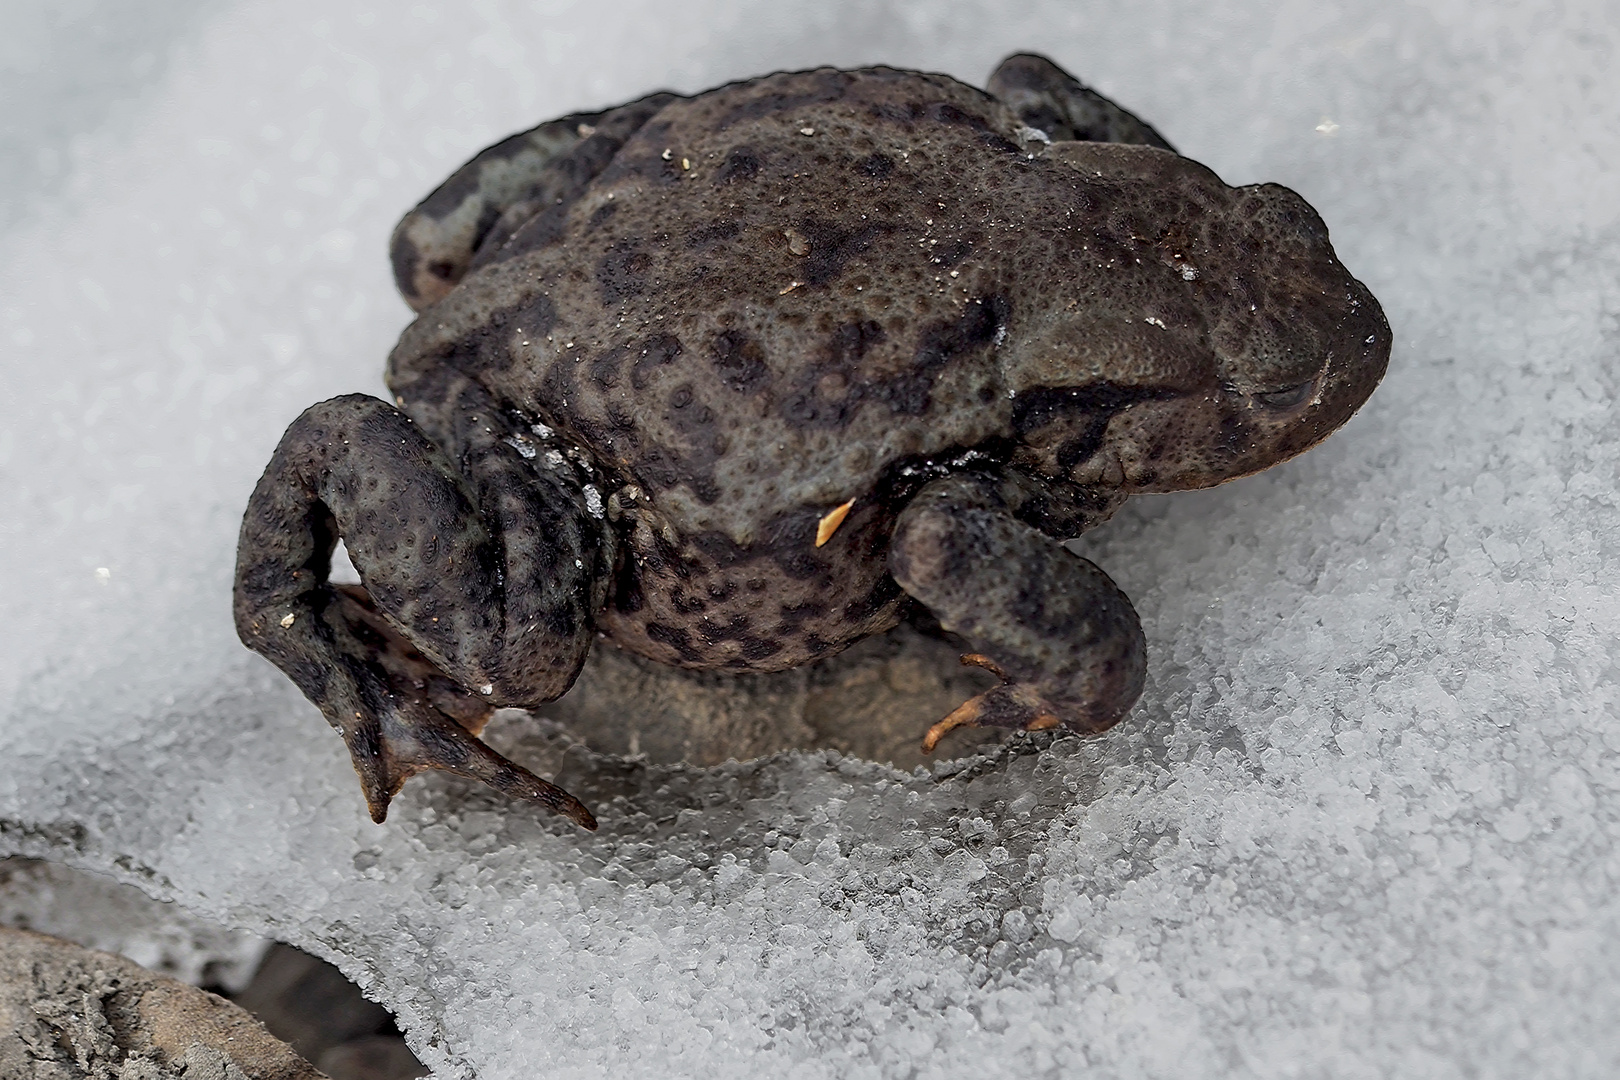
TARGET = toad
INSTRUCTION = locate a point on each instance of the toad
(734, 380)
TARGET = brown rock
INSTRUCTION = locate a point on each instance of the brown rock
(70, 1013)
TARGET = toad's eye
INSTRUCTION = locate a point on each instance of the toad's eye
(1286, 398)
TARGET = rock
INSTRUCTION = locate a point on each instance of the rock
(70, 1013)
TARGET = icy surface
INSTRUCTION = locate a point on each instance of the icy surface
(1363, 822)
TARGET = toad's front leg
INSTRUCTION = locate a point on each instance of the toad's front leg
(1051, 100)
(480, 581)
(468, 217)
(1063, 638)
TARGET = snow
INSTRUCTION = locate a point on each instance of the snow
(1363, 822)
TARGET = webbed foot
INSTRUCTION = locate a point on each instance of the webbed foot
(478, 592)
(1010, 705)
(407, 736)
(417, 719)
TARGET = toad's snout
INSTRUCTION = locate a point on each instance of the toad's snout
(1298, 341)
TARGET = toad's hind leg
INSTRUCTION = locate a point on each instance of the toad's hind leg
(1048, 98)
(480, 576)
(1063, 638)
(482, 203)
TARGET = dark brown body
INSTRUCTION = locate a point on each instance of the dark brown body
(777, 296)
(730, 379)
